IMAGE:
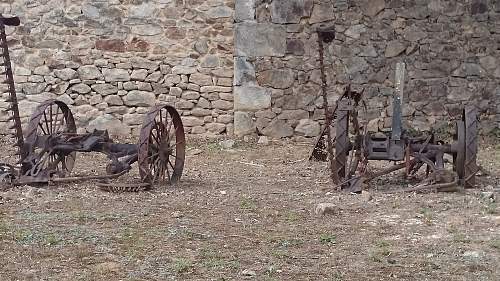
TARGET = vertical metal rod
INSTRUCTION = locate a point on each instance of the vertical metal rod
(18, 134)
(328, 116)
(397, 124)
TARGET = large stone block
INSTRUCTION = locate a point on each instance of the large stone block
(65, 74)
(26, 108)
(116, 75)
(222, 104)
(110, 123)
(81, 88)
(322, 12)
(290, 11)
(105, 89)
(89, 72)
(251, 98)
(372, 7)
(308, 128)
(296, 114)
(260, 40)
(140, 98)
(147, 29)
(243, 124)
(278, 129)
(220, 12)
(469, 69)
(139, 62)
(302, 97)
(394, 48)
(244, 72)
(201, 79)
(277, 78)
(190, 121)
(244, 10)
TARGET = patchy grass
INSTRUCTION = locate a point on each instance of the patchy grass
(490, 208)
(495, 244)
(427, 216)
(248, 204)
(381, 251)
(52, 239)
(288, 242)
(292, 217)
(461, 238)
(181, 265)
(212, 259)
(132, 242)
(327, 239)
(4, 230)
(264, 222)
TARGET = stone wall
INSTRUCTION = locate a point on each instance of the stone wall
(451, 49)
(112, 59)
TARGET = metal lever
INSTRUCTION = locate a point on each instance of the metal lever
(397, 123)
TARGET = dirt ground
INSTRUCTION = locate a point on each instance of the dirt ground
(248, 213)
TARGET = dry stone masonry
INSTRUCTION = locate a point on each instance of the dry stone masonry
(112, 60)
(248, 67)
(451, 49)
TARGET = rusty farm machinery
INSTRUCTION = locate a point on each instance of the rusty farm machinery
(351, 146)
(47, 148)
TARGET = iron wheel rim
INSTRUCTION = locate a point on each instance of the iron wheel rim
(50, 118)
(161, 146)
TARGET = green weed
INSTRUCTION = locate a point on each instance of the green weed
(490, 208)
(51, 239)
(248, 204)
(181, 265)
(381, 251)
(4, 230)
(495, 244)
(292, 217)
(286, 243)
(327, 239)
(427, 216)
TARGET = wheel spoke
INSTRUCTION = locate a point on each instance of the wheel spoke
(157, 170)
(176, 158)
(162, 164)
(170, 127)
(168, 171)
(56, 120)
(43, 130)
(175, 144)
(154, 159)
(156, 136)
(51, 117)
(171, 165)
(46, 123)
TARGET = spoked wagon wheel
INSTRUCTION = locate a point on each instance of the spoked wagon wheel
(459, 155)
(161, 146)
(471, 121)
(348, 148)
(464, 159)
(51, 118)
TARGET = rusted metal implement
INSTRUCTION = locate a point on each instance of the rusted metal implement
(353, 146)
(47, 149)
